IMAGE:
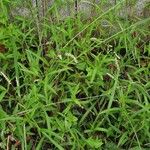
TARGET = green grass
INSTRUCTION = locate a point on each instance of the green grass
(74, 83)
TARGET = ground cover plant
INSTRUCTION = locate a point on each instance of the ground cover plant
(77, 83)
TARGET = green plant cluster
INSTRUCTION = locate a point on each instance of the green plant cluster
(79, 84)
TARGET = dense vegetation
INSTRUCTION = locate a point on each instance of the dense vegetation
(75, 83)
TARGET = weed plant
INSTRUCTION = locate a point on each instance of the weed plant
(74, 84)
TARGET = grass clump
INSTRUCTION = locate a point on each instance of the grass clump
(74, 83)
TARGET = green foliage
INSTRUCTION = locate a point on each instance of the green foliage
(74, 84)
